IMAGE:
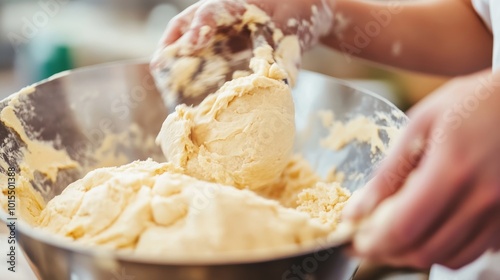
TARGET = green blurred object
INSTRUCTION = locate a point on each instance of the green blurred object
(58, 60)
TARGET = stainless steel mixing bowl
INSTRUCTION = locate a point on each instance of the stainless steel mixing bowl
(76, 110)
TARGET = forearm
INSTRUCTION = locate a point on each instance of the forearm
(443, 37)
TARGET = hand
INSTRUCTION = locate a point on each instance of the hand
(443, 205)
(308, 19)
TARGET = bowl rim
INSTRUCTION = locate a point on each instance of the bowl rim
(234, 258)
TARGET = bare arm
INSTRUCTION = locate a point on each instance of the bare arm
(444, 37)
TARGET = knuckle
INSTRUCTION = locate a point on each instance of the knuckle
(178, 20)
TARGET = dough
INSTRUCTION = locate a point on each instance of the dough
(242, 135)
(152, 208)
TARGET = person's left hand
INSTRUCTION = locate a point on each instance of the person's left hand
(441, 205)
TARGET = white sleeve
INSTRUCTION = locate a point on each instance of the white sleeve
(484, 268)
(482, 7)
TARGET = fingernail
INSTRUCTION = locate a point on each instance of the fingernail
(203, 35)
(352, 208)
(361, 203)
(365, 240)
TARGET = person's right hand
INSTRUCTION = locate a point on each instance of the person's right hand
(436, 197)
(308, 19)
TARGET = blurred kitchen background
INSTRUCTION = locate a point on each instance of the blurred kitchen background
(39, 38)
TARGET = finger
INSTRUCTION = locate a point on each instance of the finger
(203, 27)
(394, 170)
(454, 234)
(210, 17)
(178, 25)
(416, 209)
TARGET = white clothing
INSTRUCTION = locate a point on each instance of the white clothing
(489, 11)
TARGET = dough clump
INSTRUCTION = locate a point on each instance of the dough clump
(242, 135)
